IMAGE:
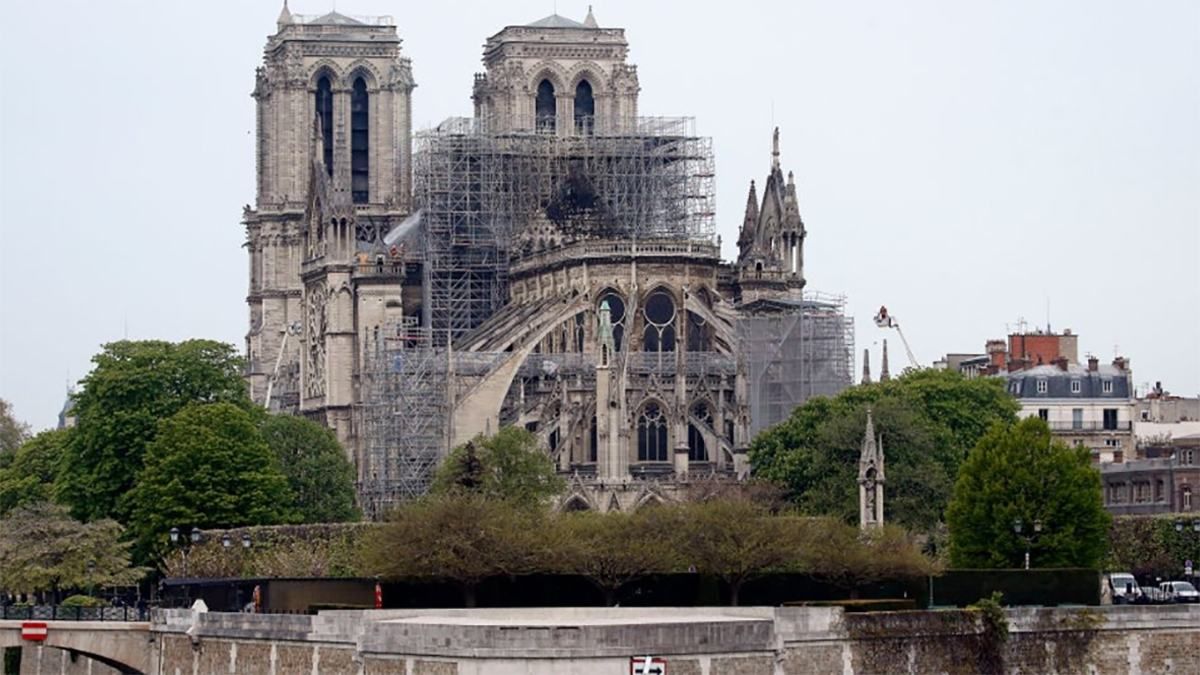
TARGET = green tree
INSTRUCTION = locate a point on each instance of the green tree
(507, 466)
(134, 386)
(735, 540)
(846, 557)
(612, 549)
(929, 420)
(43, 549)
(316, 467)
(208, 466)
(29, 478)
(463, 538)
(12, 433)
(1019, 472)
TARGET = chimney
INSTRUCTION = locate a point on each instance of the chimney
(997, 353)
(1061, 362)
(1121, 363)
(1093, 364)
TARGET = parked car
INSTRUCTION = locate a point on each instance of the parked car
(1125, 589)
(1180, 591)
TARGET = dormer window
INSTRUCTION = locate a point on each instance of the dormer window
(1076, 386)
(1106, 386)
(1042, 386)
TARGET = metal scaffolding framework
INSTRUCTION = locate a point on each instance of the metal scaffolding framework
(490, 198)
(794, 351)
(487, 201)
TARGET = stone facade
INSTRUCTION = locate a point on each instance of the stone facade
(334, 175)
(598, 314)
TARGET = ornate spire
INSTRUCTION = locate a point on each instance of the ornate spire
(285, 16)
(866, 375)
(775, 151)
(590, 21)
(870, 478)
(884, 375)
(750, 223)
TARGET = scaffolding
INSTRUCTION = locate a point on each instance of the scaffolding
(794, 350)
(490, 198)
(405, 401)
(487, 200)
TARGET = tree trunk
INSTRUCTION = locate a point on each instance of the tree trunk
(735, 588)
(610, 597)
(469, 595)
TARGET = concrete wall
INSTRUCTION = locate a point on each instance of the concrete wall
(704, 641)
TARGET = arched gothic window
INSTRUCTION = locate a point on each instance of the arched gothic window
(699, 335)
(324, 101)
(593, 441)
(359, 157)
(616, 314)
(697, 450)
(585, 108)
(659, 335)
(652, 434)
(546, 107)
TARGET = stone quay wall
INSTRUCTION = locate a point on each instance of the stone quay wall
(700, 641)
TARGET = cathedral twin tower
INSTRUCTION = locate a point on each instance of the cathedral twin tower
(549, 263)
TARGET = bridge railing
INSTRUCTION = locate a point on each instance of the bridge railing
(72, 613)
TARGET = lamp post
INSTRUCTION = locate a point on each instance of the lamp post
(1180, 526)
(91, 571)
(1018, 526)
(227, 543)
(185, 543)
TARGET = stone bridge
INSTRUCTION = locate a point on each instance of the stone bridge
(124, 646)
(602, 641)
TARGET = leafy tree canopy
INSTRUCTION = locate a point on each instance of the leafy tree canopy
(134, 386)
(1019, 472)
(929, 420)
(507, 466)
(208, 466)
(12, 433)
(460, 537)
(29, 478)
(613, 549)
(43, 549)
(316, 467)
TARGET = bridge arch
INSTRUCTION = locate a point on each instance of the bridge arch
(127, 647)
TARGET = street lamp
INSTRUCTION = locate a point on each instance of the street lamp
(185, 543)
(1018, 526)
(1179, 528)
(91, 569)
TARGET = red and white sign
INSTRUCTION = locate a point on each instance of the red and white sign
(34, 631)
(647, 665)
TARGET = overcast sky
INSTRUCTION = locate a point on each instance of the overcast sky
(967, 164)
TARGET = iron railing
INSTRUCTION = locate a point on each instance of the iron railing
(73, 613)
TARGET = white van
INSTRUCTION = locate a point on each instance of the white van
(1125, 589)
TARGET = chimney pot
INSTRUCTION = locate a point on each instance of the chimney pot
(1093, 364)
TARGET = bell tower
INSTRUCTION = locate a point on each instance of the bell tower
(557, 76)
(333, 93)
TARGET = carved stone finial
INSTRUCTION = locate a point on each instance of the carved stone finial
(285, 16)
(775, 150)
(590, 21)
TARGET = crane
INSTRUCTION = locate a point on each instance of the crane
(885, 320)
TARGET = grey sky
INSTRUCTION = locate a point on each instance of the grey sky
(964, 163)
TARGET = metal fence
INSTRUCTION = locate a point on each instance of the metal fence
(73, 613)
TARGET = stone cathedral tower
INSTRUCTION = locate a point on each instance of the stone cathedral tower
(334, 166)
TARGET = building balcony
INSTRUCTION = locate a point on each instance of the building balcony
(1090, 427)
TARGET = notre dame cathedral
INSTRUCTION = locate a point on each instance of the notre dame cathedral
(550, 262)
